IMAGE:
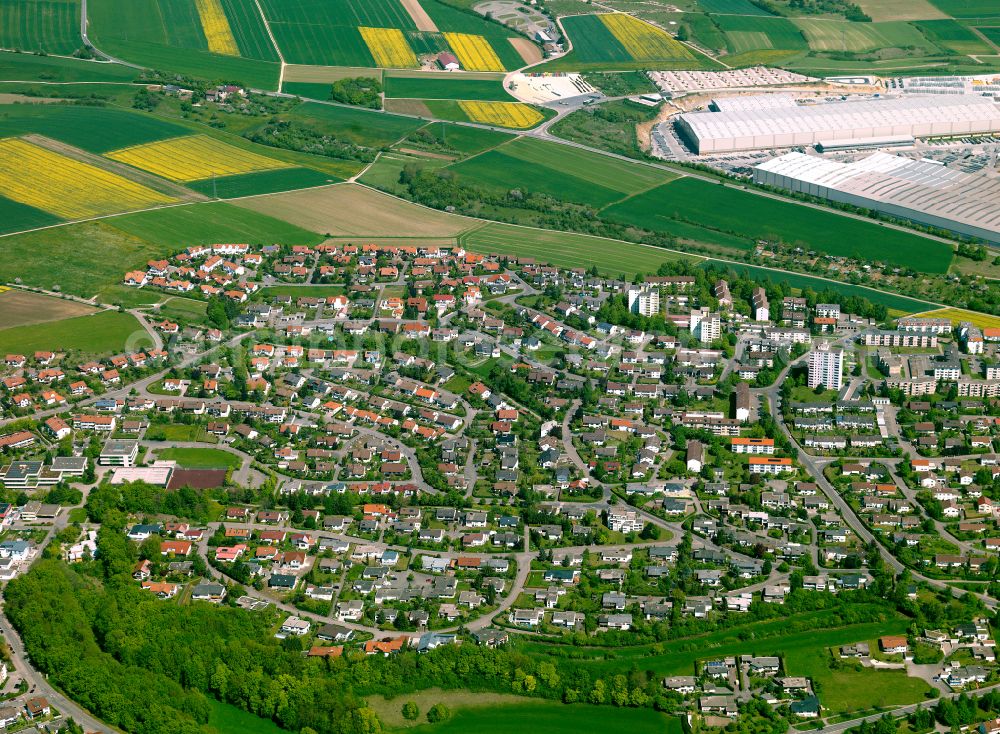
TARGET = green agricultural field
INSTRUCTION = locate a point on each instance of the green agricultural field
(384, 173)
(759, 217)
(307, 90)
(105, 332)
(568, 250)
(732, 7)
(81, 259)
(755, 33)
(968, 8)
(564, 173)
(844, 36)
(363, 127)
(167, 35)
(52, 26)
(204, 224)
(248, 29)
(552, 718)
(803, 282)
(433, 86)
(450, 19)
(95, 129)
(17, 217)
(227, 719)
(264, 182)
(26, 67)
(992, 33)
(199, 458)
(467, 140)
(325, 32)
(953, 35)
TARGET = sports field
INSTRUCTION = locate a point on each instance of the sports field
(504, 114)
(763, 218)
(552, 718)
(106, 332)
(348, 210)
(834, 35)
(958, 315)
(19, 308)
(194, 157)
(50, 26)
(40, 178)
(569, 250)
(198, 458)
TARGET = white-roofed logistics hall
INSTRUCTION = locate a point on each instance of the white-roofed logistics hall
(784, 123)
(917, 190)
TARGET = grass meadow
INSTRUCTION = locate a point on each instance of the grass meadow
(200, 458)
(101, 333)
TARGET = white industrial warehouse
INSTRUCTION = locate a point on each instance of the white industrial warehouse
(917, 190)
(782, 122)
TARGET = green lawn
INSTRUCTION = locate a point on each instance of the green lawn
(106, 332)
(200, 458)
(227, 719)
(552, 718)
(178, 432)
(759, 217)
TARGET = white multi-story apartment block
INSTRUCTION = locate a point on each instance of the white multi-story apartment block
(826, 367)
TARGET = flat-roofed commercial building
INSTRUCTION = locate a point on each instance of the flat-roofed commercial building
(784, 123)
(917, 190)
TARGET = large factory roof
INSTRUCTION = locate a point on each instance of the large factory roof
(776, 119)
(921, 186)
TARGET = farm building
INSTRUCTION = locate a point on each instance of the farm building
(782, 122)
(917, 190)
(448, 61)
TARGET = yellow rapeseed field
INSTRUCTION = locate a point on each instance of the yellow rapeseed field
(957, 315)
(389, 47)
(67, 187)
(193, 158)
(215, 24)
(474, 52)
(643, 41)
(505, 114)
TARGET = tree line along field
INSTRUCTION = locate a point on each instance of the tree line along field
(50, 26)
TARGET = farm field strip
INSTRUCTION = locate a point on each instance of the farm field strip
(194, 157)
(958, 315)
(474, 52)
(644, 41)
(32, 175)
(52, 26)
(505, 114)
(388, 47)
(215, 25)
(831, 35)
